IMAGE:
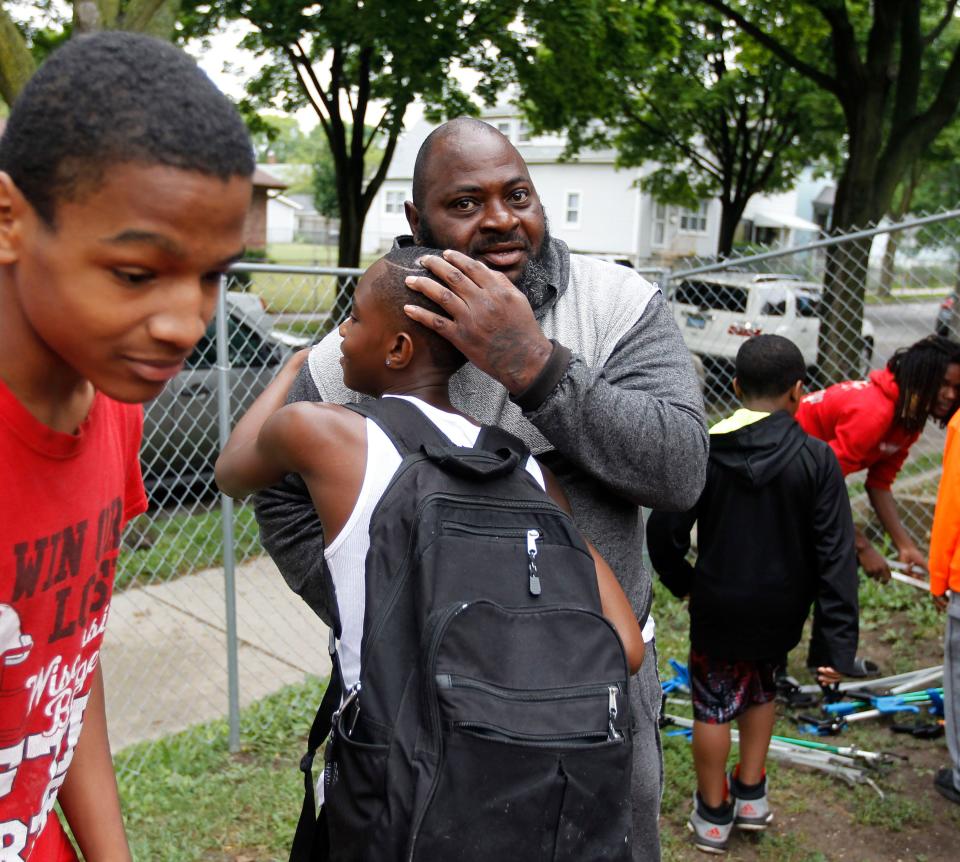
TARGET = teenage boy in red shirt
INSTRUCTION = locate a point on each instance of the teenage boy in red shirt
(871, 425)
(124, 185)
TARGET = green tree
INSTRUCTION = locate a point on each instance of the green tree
(351, 62)
(281, 139)
(325, 186)
(718, 115)
(934, 186)
(893, 67)
(23, 45)
(359, 64)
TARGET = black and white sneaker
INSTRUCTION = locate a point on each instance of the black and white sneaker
(751, 812)
(709, 835)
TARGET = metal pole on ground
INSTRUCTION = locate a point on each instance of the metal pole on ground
(226, 512)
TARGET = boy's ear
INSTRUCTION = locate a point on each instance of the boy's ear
(736, 388)
(13, 205)
(796, 392)
(413, 219)
(401, 353)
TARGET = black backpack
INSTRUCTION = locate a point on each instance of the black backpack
(492, 718)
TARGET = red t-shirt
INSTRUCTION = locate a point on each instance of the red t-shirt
(856, 419)
(64, 501)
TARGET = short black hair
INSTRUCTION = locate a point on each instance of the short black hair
(768, 366)
(446, 130)
(919, 371)
(117, 98)
(402, 262)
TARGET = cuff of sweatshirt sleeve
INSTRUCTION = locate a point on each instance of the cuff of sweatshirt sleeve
(546, 381)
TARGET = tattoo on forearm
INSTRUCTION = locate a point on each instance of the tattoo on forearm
(508, 355)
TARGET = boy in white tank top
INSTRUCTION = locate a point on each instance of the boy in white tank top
(346, 460)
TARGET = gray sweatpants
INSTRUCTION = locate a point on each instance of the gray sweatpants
(645, 699)
(951, 684)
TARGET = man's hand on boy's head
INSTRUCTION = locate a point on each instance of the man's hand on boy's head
(491, 322)
(873, 563)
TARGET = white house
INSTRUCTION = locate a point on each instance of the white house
(788, 218)
(282, 213)
(592, 205)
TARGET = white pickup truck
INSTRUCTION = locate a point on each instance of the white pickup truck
(717, 311)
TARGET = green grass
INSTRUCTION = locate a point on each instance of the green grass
(182, 543)
(294, 293)
(188, 798)
(297, 293)
(934, 294)
(309, 254)
(302, 254)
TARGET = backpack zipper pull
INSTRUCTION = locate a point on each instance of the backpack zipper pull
(612, 711)
(532, 536)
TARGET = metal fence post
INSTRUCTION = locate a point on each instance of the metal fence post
(226, 510)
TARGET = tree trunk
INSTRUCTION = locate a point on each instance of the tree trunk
(730, 215)
(889, 265)
(845, 280)
(348, 255)
(841, 323)
(898, 213)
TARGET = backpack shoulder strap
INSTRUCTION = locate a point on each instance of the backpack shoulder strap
(309, 836)
(405, 424)
(494, 439)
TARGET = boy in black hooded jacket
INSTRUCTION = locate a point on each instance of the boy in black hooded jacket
(775, 535)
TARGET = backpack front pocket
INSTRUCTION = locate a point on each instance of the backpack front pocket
(526, 767)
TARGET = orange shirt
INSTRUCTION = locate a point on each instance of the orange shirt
(944, 561)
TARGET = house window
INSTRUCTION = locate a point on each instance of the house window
(503, 126)
(694, 221)
(523, 132)
(659, 224)
(572, 210)
(393, 201)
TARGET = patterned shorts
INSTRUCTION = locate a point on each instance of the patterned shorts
(722, 689)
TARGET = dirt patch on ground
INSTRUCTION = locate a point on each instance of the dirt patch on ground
(819, 817)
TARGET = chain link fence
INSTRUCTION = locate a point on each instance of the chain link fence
(202, 624)
(848, 302)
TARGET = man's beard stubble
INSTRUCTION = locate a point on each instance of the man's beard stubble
(534, 277)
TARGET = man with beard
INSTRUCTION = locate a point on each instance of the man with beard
(579, 358)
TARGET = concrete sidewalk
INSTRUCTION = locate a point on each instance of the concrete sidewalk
(165, 653)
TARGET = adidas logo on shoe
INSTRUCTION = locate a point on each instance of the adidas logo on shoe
(709, 837)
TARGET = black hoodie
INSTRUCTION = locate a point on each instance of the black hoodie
(774, 535)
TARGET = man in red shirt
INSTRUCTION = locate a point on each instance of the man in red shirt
(115, 228)
(871, 425)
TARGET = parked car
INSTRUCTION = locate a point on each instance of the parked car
(717, 311)
(946, 316)
(180, 426)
